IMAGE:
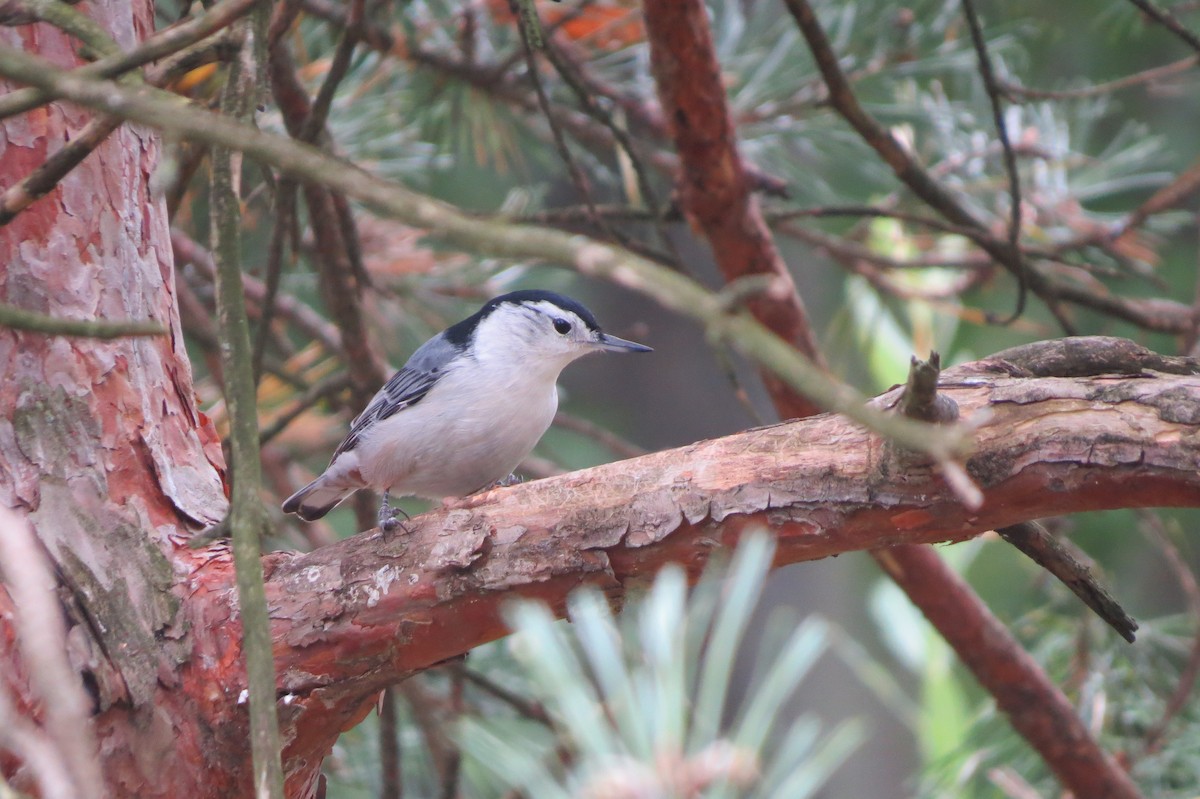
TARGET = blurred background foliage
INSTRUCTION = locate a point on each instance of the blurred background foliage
(438, 96)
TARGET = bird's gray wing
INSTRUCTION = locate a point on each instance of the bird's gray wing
(405, 388)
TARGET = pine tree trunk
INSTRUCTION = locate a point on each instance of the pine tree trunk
(101, 441)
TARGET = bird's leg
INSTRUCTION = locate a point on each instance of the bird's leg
(387, 516)
(505, 482)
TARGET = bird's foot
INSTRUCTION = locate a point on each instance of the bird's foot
(388, 522)
(505, 482)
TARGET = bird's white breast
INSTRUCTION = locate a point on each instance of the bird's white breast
(472, 428)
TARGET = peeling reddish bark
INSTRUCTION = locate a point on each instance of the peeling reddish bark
(100, 442)
(716, 192)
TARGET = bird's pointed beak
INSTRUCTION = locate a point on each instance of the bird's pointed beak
(607, 342)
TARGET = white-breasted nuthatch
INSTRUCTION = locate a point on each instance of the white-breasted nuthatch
(466, 409)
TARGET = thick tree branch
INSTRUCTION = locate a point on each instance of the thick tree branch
(353, 617)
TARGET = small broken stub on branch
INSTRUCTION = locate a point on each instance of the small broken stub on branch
(920, 398)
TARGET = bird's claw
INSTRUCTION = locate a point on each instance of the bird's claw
(388, 523)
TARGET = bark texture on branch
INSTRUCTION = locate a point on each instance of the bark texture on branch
(354, 617)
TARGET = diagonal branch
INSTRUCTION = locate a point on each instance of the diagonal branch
(1009, 674)
(716, 193)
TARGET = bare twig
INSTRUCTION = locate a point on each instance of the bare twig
(528, 708)
(1018, 93)
(495, 81)
(606, 438)
(317, 392)
(351, 33)
(339, 261)
(574, 75)
(21, 319)
(1035, 542)
(1165, 18)
(527, 14)
(987, 72)
(308, 321)
(285, 214)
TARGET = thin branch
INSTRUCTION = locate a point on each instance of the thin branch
(605, 438)
(285, 214)
(919, 180)
(1020, 93)
(300, 314)
(529, 27)
(163, 43)
(528, 708)
(1035, 707)
(992, 88)
(21, 319)
(494, 80)
(42, 180)
(574, 75)
(338, 69)
(1165, 18)
(315, 393)
(69, 20)
(246, 517)
(1036, 543)
(339, 262)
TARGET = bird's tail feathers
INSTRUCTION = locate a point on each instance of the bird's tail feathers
(317, 498)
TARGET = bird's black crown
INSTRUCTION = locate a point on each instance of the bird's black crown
(460, 333)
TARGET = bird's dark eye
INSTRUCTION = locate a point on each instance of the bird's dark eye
(562, 326)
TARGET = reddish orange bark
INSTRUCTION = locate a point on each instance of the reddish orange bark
(715, 190)
(1034, 705)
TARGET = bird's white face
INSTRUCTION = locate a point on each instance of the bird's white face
(538, 332)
